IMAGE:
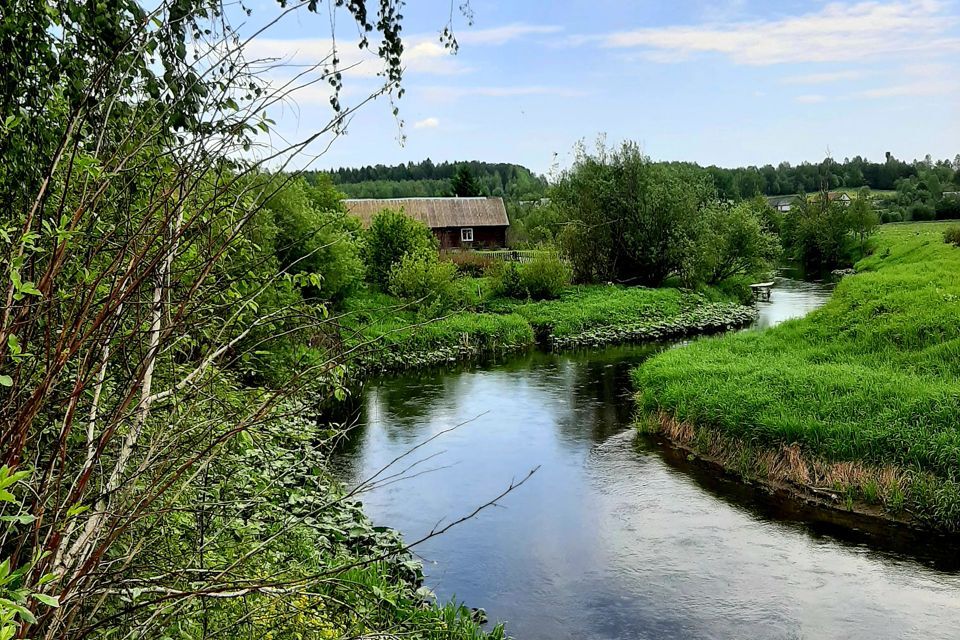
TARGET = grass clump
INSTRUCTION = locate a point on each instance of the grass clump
(952, 235)
(871, 378)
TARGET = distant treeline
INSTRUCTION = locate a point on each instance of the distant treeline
(852, 173)
(515, 182)
(426, 179)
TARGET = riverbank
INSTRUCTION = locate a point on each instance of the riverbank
(858, 403)
(387, 336)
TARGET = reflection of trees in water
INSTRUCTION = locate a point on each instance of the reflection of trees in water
(586, 395)
(598, 387)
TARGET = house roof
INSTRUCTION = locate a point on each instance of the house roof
(776, 201)
(435, 212)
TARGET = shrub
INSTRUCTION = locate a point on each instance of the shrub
(728, 242)
(468, 263)
(948, 208)
(424, 280)
(391, 236)
(313, 235)
(919, 211)
(505, 280)
(952, 235)
(545, 277)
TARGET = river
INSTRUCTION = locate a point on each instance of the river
(620, 537)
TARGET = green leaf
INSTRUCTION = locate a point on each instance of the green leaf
(76, 510)
(6, 381)
(50, 601)
(23, 612)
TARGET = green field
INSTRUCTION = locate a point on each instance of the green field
(870, 383)
(398, 338)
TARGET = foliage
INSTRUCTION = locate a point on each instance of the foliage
(314, 235)
(423, 280)
(629, 220)
(863, 220)
(463, 184)
(468, 263)
(545, 277)
(391, 236)
(426, 179)
(534, 224)
(729, 242)
(952, 235)
(151, 268)
(871, 377)
(505, 279)
(948, 208)
(921, 212)
(818, 233)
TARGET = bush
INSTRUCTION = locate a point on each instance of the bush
(505, 279)
(545, 277)
(391, 236)
(919, 211)
(948, 208)
(728, 242)
(422, 279)
(313, 235)
(468, 263)
(952, 235)
(891, 215)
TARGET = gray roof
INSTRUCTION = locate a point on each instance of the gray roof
(776, 201)
(435, 212)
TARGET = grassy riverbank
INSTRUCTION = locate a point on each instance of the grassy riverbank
(388, 335)
(860, 399)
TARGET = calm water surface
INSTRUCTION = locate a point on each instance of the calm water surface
(616, 537)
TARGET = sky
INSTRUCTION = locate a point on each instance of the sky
(732, 83)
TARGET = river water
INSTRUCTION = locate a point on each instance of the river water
(616, 536)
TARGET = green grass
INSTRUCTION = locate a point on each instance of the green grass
(873, 376)
(587, 307)
(583, 316)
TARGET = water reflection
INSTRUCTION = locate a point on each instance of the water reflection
(614, 537)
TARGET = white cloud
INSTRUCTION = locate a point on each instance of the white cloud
(504, 34)
(824, 78)
(837, 32)
(427, 123)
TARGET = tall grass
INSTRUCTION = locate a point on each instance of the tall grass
(873, 376)
(583, 316)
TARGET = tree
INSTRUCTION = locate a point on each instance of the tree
(463, 184)
(139, 276)
(391, 236)
(630, 220)
(727, 242)
(863, 219)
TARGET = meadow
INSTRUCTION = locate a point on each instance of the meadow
(862, 395)
(391, 335)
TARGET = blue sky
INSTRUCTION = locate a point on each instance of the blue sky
(731, 83)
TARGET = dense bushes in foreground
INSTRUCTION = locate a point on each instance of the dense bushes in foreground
(871, 379)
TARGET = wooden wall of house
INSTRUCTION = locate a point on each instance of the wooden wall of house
(483, 238)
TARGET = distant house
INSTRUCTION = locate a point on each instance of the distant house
(782, 203)
(841, 197)
(456, 222)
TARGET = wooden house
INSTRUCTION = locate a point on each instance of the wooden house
(458, 223)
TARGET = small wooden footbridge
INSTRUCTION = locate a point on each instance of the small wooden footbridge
(761, 290)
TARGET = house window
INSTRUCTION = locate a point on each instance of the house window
(466, 234)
